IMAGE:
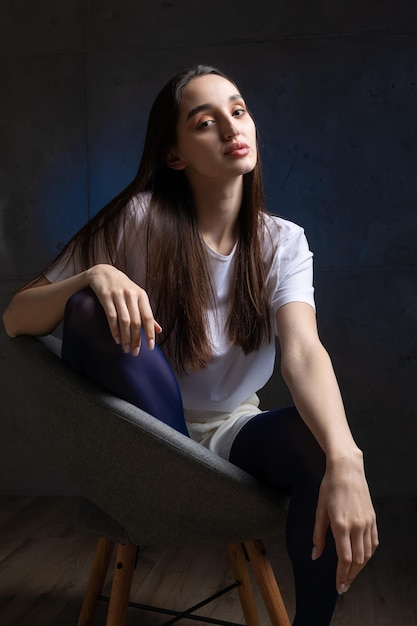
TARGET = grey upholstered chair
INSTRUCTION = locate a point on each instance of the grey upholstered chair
(144, 483)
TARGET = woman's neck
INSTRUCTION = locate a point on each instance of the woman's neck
(217, 210)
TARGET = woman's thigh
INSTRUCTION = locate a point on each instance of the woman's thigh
(277, 447)
(146, 380)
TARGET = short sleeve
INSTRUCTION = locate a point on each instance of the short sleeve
(293, 270)
(64, 268)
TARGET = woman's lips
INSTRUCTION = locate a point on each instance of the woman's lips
(237, 150)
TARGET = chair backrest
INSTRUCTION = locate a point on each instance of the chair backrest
(158, 484)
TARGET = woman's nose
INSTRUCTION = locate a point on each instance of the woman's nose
(230, 130)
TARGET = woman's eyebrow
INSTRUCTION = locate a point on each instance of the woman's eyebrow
(206, 106)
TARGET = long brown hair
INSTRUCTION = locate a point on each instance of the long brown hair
(178, 282)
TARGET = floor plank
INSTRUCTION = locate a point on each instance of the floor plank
(45, 560)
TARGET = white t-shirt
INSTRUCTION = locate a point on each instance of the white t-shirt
(219, 399)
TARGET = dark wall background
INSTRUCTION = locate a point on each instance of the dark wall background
(333, 86)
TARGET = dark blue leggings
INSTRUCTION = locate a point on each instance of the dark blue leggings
(147, 382)
(275, 446)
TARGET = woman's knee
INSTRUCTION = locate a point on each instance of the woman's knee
(279, 444)
(84, 314)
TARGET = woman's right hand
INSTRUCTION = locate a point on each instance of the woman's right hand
(126, 306)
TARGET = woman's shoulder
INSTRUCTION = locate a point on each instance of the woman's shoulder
(280, 229)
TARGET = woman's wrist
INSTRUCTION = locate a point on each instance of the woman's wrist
(338, 457)
(88, 274)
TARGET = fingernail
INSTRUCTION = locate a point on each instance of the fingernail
(126, 349)
(117, 340)
(151, 344)
(135, 351)
(343, 588)
(314, 553)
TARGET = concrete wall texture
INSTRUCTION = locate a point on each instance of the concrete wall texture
(333, 87)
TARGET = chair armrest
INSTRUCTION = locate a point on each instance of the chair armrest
(161, 486)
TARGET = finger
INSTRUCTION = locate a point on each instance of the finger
(370, 542)
(368, 545)
(320, 531)
(374, 536)
(135, 323)
(359, 543)
(112, 318)
(344, 554)
(149, 323)
(363, 544)
(123, 318)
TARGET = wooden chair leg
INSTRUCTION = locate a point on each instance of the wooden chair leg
(267, 584)
(241, 574)
(96, 581)
(122, 580)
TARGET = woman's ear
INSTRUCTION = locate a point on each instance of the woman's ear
(173, 161)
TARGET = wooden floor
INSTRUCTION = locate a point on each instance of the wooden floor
(44, 565)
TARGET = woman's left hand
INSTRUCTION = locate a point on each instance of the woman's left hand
(345, 504)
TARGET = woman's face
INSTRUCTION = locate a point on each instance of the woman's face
(216, 136)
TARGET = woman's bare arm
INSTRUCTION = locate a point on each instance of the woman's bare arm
(344, 502)
(39, 308)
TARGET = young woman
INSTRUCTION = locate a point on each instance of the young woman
(186, 257)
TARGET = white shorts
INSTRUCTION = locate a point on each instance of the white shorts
(217, 431)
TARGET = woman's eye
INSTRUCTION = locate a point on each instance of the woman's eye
(238, 112)
(205, 124)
